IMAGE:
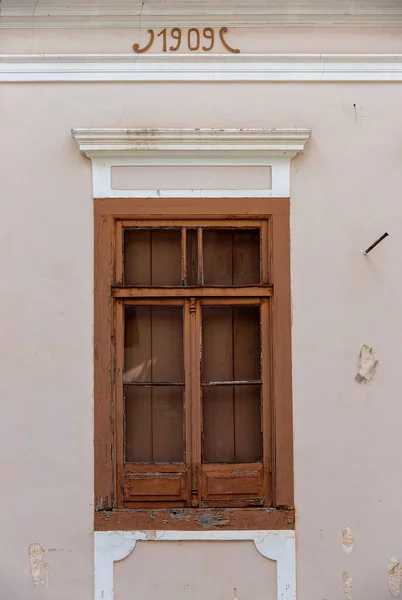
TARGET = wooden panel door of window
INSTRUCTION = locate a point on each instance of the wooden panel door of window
(193, 401)
(236, 440)
(153, 404)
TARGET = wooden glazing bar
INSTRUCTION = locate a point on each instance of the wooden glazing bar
(228, 467)
(200, 256)
(264, 241)
(195, 313)
(188, 392)
(119, 419)
(212, 383)
(156, 383)
(119, 273)
(233, 223)
(232, 301)
(154, 467)
(153, 301)
(183, 256)
(183, 292)
(266, 401)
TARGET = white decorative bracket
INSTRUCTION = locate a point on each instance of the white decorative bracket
(272, 148)
(113, 546)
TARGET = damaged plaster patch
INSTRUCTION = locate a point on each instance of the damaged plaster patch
(347, 585)
(394, 577)
(367, 365)
(38, 568)
(212, 521)
(347, 540)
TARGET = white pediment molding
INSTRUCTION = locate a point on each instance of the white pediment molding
(205, 142)
(271, 148)
(200, 67)
(191, 13)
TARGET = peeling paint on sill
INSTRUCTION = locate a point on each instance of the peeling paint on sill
(217, 521)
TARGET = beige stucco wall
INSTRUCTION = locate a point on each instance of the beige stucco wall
(197, 570)
(345, 193)
(282, 40)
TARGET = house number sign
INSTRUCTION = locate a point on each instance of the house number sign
(194, 39)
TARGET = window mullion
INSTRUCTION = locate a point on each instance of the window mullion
(195, 332)
(200, 256)
(119, 263)
(183, 256)
(188, 397)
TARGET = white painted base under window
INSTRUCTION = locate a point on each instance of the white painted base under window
(113, 546)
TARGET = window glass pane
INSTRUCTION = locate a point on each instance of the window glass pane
(152, 257)
(154, 424)
(218, 424)
(192, 257)
(153, 349)
(153, 355)
(231, 256)
(231, 348)
(247, 418)
(231, 424)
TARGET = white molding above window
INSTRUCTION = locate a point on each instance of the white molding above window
(192, 13)
(114, 546)
(273, 148)
(200, 67)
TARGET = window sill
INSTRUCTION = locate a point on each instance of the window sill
(191, 519)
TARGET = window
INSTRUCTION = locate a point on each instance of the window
(192, 365)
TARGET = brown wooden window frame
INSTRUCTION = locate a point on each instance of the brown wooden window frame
(112, 510)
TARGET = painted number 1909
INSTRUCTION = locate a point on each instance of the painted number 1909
(194, 40)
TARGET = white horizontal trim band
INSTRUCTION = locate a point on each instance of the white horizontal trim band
(200, 67)
(230, 20)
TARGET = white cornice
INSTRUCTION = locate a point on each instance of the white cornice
(121, 142)
(190, 13)
(200, 67)
(108, 148)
